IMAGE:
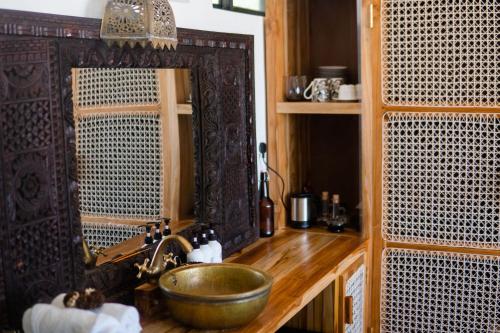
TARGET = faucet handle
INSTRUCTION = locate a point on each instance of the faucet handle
(98, 251)
(170, 258)
(142, 268)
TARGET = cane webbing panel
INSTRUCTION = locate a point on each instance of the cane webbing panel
(120, 165)
(441, 179)
(355, 287)
(109, 234)
(425, 291)
(109, 87)
(441, 52)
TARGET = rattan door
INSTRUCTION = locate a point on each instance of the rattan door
(350, 293)
(436, 239)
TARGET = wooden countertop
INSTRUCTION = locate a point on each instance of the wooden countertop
(303, 263)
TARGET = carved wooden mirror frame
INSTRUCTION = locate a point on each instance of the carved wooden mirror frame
(40, 231)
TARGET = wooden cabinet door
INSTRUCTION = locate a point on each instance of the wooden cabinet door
(350, 298)
(435, 109)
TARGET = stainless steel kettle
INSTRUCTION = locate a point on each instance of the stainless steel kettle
(302, 210)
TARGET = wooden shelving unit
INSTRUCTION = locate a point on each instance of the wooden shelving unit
(339, 108)
(321, 146)
(311, 144)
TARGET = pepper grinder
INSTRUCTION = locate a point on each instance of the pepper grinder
(325, 207)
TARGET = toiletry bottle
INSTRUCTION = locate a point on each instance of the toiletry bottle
(215, 245)
(205, 248)
(148, 240)
(157, 236)
(166, 227)
(266, 208)
(196, 255)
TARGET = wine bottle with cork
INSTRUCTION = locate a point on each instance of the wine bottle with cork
(266, 208)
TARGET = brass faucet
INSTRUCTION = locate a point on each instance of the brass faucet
(160, 260)
(90, 254)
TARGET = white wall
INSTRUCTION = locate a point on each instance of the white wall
(192, 14)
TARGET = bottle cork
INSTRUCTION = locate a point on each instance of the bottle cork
(336, 198)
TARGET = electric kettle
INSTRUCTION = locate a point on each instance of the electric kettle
(302, 210)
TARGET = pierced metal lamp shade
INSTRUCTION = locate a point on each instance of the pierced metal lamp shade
(139, 21)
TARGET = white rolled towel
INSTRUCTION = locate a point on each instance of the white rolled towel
(127, 316)
(45, 318)
(58, 301)
(107, 324)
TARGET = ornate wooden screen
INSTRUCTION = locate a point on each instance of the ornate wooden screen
(40, 230)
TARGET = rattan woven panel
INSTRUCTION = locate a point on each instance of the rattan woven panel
(355, 287)
(120, 165)
(109, 234)
(109, 87)
(440, 52)
(439, 292)
(441, 179)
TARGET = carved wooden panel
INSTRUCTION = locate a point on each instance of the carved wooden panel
(38, 185)
(236, 190)
(40, 243)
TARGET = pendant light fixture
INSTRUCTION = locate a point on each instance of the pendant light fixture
(139, 22)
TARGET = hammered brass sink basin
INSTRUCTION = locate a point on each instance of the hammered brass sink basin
(215, 296)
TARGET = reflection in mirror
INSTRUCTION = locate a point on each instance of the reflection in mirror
(135, 154)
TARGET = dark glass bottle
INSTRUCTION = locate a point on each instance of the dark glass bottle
(157, 236)
(149, 239)
(166, 227)
(266, 208)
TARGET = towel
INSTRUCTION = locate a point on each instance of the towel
(45, 318)
(58, 301)
(127, 316)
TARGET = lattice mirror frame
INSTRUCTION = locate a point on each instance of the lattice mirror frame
(38, 53)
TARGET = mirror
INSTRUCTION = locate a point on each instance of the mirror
(134, 153)
(39, 183)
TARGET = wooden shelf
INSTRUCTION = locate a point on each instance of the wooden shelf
(184, 109)
(318, 108)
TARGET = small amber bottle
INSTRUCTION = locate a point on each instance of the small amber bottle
(266, 208)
